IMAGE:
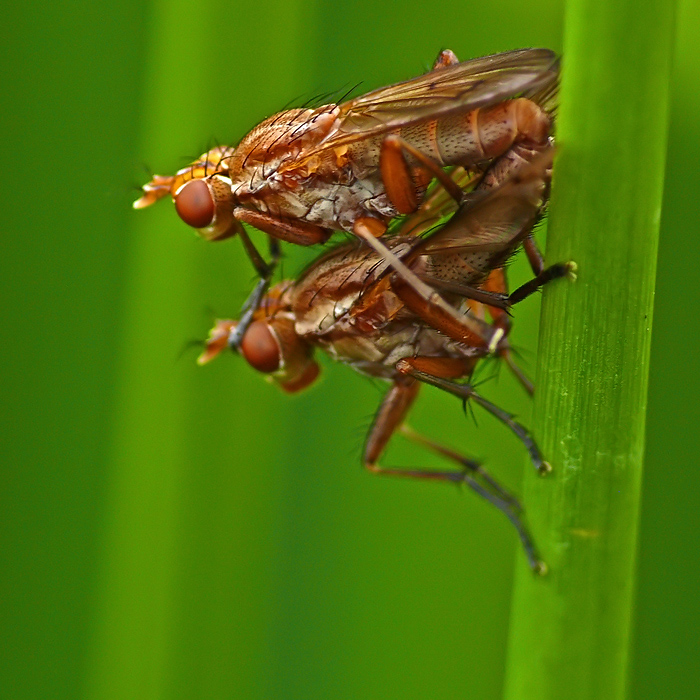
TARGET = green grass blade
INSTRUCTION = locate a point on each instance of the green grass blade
(570, 630)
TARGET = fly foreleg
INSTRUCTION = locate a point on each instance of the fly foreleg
(292, 231)
(298, 232)
(252, 303)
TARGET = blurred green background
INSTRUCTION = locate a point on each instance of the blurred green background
(176, 532)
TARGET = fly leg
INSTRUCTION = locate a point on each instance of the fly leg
(518, 157)
(469, 466)
(478, 239)
(398, 177)
(396, 174)
(474, 474)
(389, 419)
(436, 205)
(298, 232)
(429, 371)
(496, 300)
(502, 133)
(492, 295)
(467, 329)
(492, 299)
(497, 283)
(252, 303)
(553, 272)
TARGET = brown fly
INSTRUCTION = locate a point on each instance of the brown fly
(303, 173)
(353, 305)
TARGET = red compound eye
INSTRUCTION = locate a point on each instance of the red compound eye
(194, 204)
(260, 348)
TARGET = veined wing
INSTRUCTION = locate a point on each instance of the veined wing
(440, 93)
(495, 218)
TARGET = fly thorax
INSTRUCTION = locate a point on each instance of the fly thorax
(283, 137)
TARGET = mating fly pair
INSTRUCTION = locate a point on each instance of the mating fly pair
(402, 307)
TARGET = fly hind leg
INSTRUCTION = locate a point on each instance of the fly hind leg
(479, 480)
(389, 419)
(430, 371)
(509, 133)
(497, 283)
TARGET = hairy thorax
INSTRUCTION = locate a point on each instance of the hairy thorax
(281, 172)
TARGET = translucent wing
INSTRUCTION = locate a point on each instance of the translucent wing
(455, 89)
(498, 218)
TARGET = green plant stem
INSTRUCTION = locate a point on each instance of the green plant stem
(570, 630)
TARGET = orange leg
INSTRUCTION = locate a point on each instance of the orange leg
(436, 205)
(298, 232)
(494, 294)
(389, 419)
(396, 174)
(497, 283)
(526, 137)
(432, 307)
(424, 299)
(415, 367)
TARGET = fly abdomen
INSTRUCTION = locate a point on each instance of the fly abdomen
(486, 133)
